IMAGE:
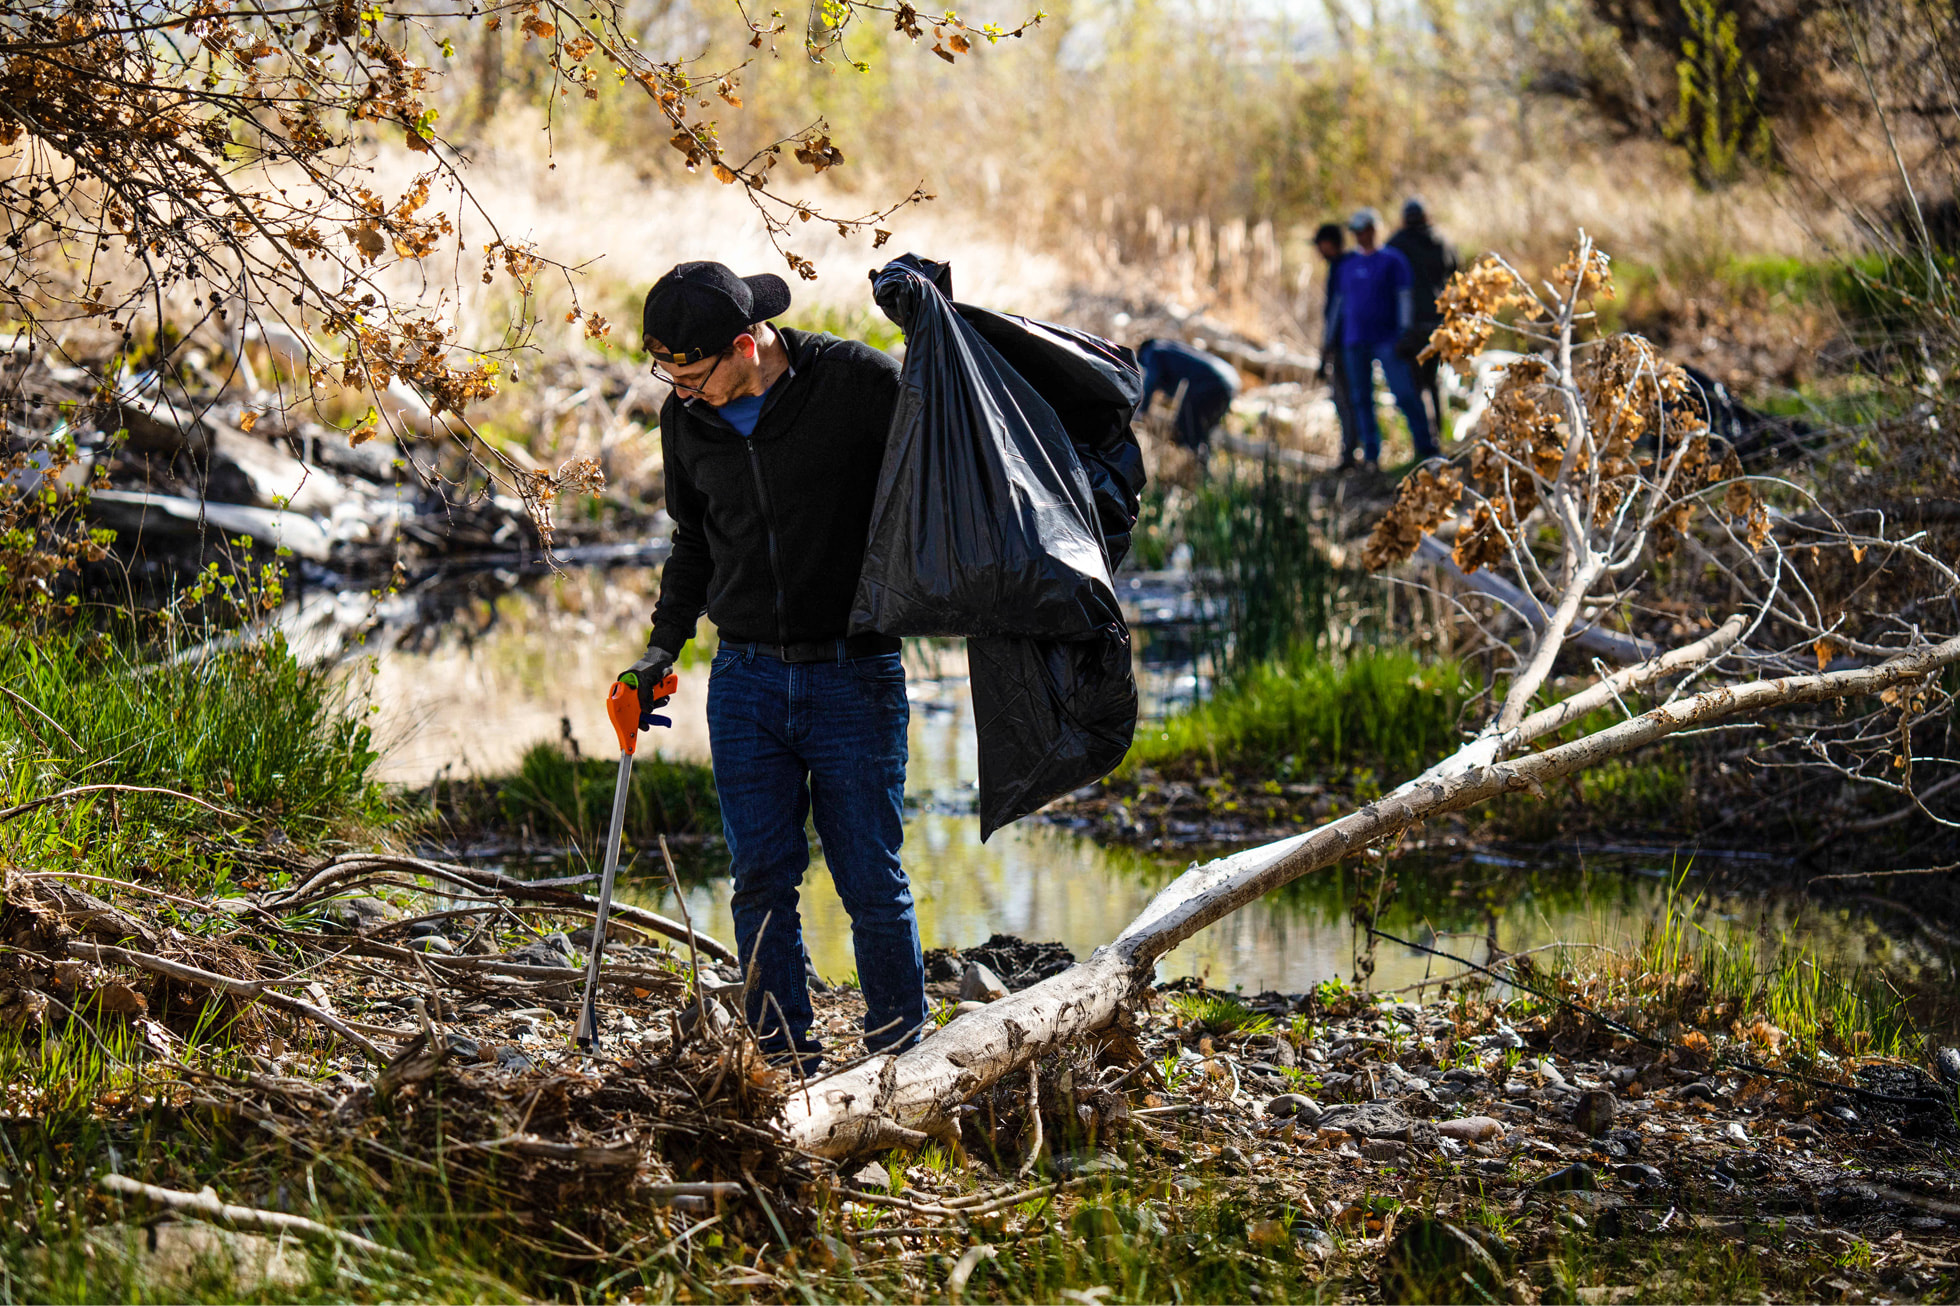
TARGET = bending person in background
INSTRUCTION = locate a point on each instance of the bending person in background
(1332, 244)
(1210, 384)
(773, 440)
(1431, 265)
(1372, 309)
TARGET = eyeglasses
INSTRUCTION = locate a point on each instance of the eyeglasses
(694, 387)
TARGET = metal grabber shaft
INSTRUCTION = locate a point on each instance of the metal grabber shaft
(623, 708)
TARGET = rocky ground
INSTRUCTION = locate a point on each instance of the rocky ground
(1392, 1148)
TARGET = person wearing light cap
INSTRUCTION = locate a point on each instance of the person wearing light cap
(772, 440)
(1371, 311)
(1431, 265)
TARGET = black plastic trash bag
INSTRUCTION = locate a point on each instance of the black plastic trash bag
(985, 522)
(1094, 387)
(1051, 715)
(994, 400)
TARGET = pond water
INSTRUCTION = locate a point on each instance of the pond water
(467, 680)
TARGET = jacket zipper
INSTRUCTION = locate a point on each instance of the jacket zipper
(769, 529)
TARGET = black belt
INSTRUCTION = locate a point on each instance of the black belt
(827, 650)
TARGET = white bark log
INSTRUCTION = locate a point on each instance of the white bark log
(1493, 745)
(1593, 639)
(908, 1097)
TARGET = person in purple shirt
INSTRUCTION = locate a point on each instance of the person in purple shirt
(1372, 308)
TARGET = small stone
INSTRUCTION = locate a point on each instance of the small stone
(1381, 1149)
(835, 1250)
(1231, 1158)
(1605, 1295)
(1622, 1077)
(1470, 1129)
(554, 950)
(1297, 1107)
(464, 1049)
(432, 943)
(1085, 1164)
(1268, 1233)
(967, 1006)
(1379, 1120)
(177, 1258)
(1801, 1133)
(416, 929)
(1946, 1064)
(979, 984)
(1640, 1176)
(1431, 1260)
(1573, 1177)
(1503, 1037)
(1593, 1113)
(873, 1178)
(1309, 1234)
(361, 913)
(1735, 1133)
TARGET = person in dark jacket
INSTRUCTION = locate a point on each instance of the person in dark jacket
(1209, 385)
(1332, 244)
(773, 439)
(1431, 265)
(1371, 313)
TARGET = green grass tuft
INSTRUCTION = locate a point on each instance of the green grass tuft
(1219, 1014)
(248, 729)
(1306, 714)
(551, 792)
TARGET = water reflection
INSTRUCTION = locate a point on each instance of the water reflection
(520, 661)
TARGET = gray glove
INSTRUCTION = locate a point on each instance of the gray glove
(647, 674)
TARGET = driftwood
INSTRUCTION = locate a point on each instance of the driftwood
(136, 513)
(336, 877)
(904, 1098)
(206, 1204)
(85, 912)
(250, 990)
(20, 809)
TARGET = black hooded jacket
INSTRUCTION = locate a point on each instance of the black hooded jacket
(1431, 264)
(770, 529)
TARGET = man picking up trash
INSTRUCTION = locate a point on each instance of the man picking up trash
(772, 440)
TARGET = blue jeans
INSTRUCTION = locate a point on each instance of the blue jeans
(1360, 361)
(790, 740)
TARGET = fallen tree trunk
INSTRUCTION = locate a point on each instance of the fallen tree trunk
(910, 1097)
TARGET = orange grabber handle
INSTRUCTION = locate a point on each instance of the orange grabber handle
(623, 706)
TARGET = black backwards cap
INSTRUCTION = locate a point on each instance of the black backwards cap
(697, 310)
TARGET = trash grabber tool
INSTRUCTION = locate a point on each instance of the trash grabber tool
(623, 708)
